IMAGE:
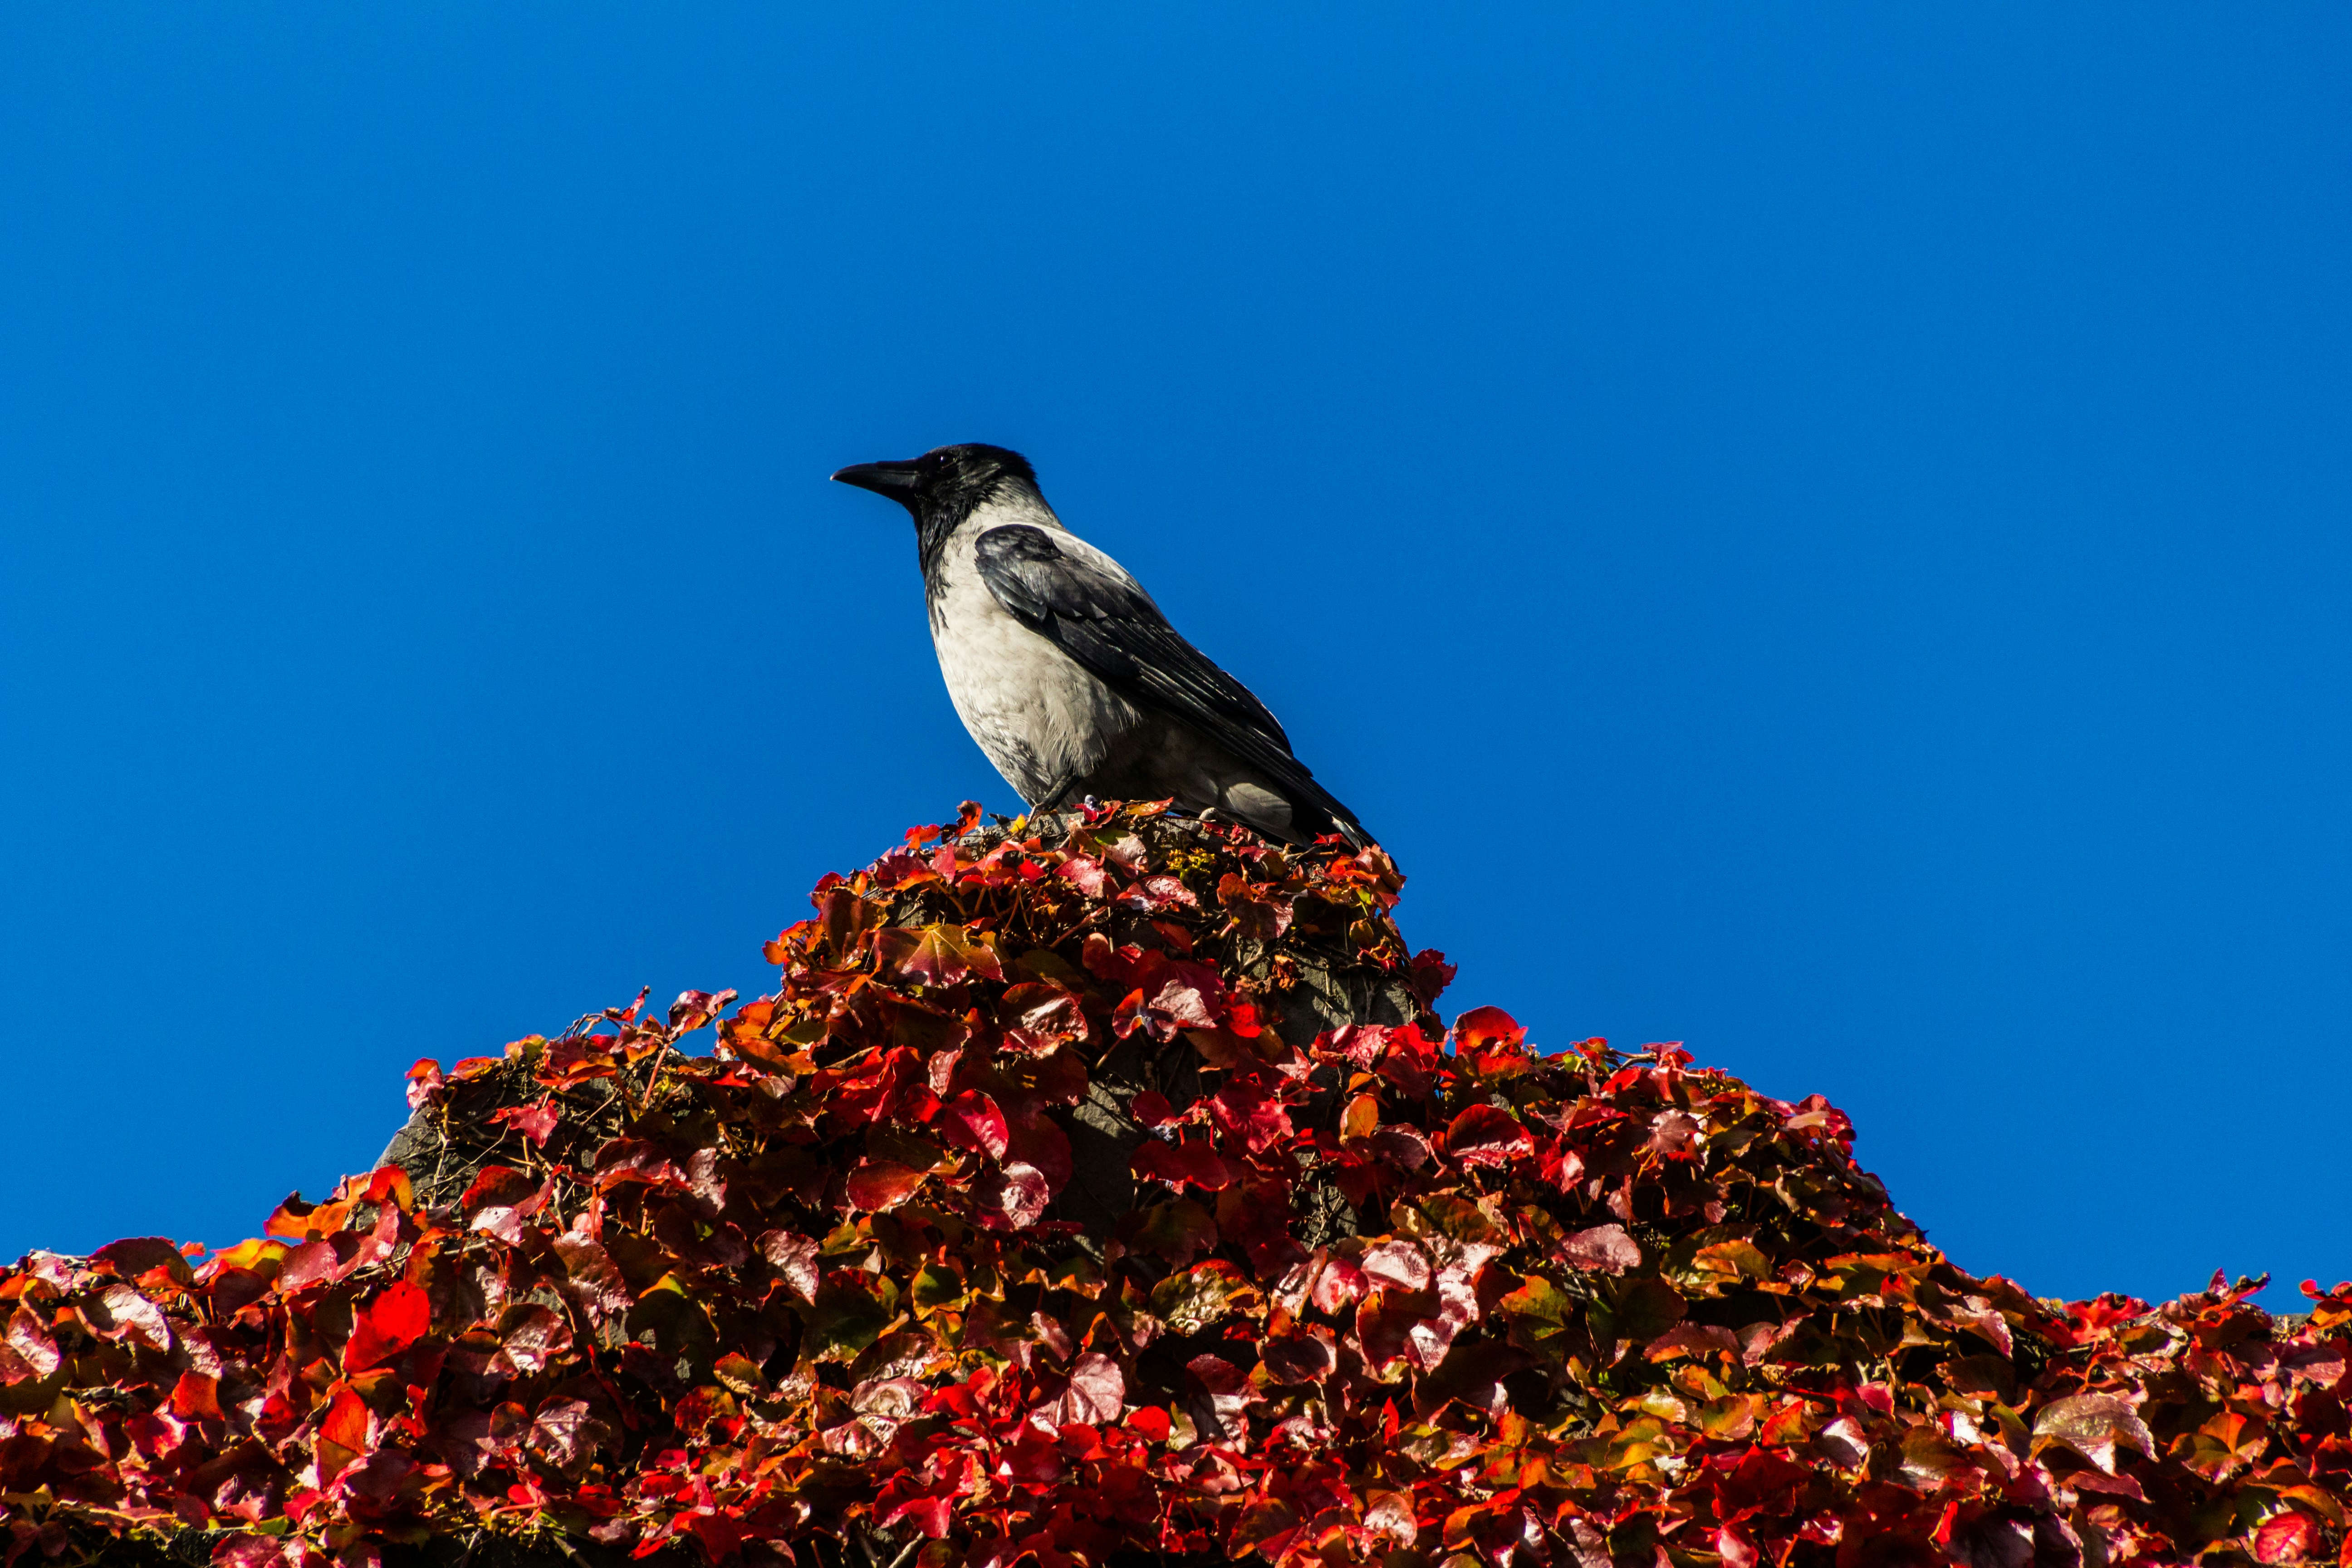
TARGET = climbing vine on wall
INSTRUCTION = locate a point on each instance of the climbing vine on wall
(824, 1289)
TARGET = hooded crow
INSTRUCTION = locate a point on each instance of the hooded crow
(1068, 674)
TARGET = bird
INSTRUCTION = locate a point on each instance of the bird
(1068, 674)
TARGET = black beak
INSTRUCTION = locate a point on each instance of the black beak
(899, 481)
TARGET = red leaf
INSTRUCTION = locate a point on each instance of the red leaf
(1013, 1197)
(1037, 1140)
(1308, 1356)
(496, 1186)
(1384, 1329)
(1097, 1394)
(1483, 1029)
(695, 1008)
(937, 956)
(1340, 1281)
(504, 1217)
(1487, 1135)
(2287, 1536)
(1389, 1516)
(254, 1551)
(1190, 998)
(1039, 1017)
(533, 1121)
(2322, 1364)
(1258, 913)
(1605, 1248)
(1247, 1112)
(595, 1280)
(1150, 1424)
(630, 1160)
(388, 1184)
(1170, 995)
(133, 1317)
(2093, 1424)
(1431, 974)
(1163, 892)
(1843, 1442)
(1151, 1109)
(389, 1325)
(196, 1396)
(1107, 961)
(30, 1339)
(1674, 1136)
(530, 1336)
(312, 1263)
(972, 1121)
(928, 1514)
(1396, 1266)
(343, 1435)
(1701, 1338)
(720, 1535)
(1190, 1163)
(579, 1058)
(793, 1257)
(135, 1256)
(1406, 1147)
(877, 1185)
(565, 1430)
(1266, 1528)
(1358, 1044)
(347, 1421)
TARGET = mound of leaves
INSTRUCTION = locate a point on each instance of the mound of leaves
(1039, 1215)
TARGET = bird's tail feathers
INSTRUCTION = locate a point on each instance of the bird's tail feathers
(1340, 820)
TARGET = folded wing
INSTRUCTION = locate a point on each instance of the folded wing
(1104, 620)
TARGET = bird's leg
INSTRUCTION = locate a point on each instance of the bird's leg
(1057, 799)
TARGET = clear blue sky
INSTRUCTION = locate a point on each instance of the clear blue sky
(1821, 535)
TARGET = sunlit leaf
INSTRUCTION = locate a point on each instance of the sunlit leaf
(2093, 1425)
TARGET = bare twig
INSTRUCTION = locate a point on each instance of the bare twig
(652, 1079)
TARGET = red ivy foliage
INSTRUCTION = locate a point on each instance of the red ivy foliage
(810, 1290)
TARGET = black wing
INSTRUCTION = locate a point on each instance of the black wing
(1110, 627)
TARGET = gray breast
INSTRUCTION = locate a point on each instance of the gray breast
(1040, 717)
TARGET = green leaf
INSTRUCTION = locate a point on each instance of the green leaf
(939, 1285)
(1540, 1316)
(1177, 1231)
(852, 1310)
(1191, 1302)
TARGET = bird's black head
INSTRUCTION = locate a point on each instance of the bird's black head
(944, 485)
